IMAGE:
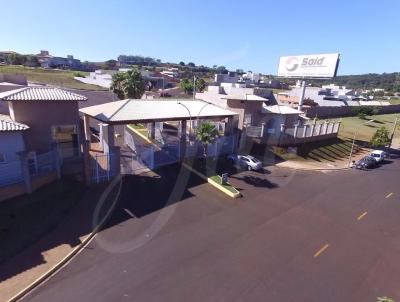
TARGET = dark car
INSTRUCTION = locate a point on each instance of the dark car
(367, 162)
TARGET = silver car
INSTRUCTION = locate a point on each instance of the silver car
(245, 162)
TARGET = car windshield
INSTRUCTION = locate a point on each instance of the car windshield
(375, 155)
(253, 159)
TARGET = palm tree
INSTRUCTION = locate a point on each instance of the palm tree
(134, 85)
(207, 134)
(117, 85)
(128, 85)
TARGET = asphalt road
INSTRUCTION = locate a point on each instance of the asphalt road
(294, 236)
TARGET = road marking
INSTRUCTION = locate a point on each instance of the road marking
(129, 213)
(321, 250)
(390, 194)
(362, 216)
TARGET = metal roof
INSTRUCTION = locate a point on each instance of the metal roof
(132, 111)
(280, 109)
(244, 97)
(7, 124)
(41, 94)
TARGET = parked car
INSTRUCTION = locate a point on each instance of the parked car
(245, 162)
(367, 162)
(379, 155)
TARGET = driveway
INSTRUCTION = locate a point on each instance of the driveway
(308, 237)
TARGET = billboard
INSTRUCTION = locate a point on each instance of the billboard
(309, 66)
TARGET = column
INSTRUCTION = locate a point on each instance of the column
(305, 130)
(115, 160)
(86, 162)
(312, 129)
(296, 129)
(153, 130)
(56, 159)
(23, 156)
(86, 125)
(108, 137)
(262, 129)
(183, 139)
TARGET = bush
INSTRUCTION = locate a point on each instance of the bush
(380, 138)
(79, 74)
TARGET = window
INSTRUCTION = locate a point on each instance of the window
(2, 158)
(247, 118)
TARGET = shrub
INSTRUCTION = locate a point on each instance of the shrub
(79, 74)
(380, 138)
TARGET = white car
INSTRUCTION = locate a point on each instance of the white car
(245, 161)
(379, 155)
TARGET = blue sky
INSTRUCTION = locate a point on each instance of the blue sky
(237, 34)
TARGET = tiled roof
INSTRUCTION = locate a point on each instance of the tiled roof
(7, 124)
(41, 94)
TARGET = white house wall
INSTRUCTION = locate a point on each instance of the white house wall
(11, 142)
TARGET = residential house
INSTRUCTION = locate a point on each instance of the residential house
(51, 114)
(48, 61)
(260, 117)
(11, 145)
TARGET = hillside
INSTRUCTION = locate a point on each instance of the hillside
(387, 81)
(63, 78)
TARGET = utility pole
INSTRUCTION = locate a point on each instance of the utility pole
(194, 87)
(394, 130)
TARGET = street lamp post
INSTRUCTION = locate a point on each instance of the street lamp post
(354, 139)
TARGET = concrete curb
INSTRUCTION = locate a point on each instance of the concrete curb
(212, 182)
(63, 261)
(316, 169)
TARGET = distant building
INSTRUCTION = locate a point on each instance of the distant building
(48, 61)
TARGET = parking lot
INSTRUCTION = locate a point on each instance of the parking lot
(294, 236)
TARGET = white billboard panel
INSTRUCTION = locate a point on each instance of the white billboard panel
(309, 66)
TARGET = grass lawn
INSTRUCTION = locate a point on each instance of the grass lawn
(394, 101)
(62, 78)
(365, 132)
(25, 219)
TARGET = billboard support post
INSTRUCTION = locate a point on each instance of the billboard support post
(303, 91)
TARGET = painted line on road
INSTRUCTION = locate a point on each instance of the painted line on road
(362, 216)
(321, 250)
(390, 194)
(129, 213)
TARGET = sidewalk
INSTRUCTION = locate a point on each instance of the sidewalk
(322, 165)
(24, 268)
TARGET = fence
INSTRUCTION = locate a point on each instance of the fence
(102, 167)
(10, 173)
(331, 111)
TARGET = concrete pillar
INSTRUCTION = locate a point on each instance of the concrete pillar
(319, 129)
(325, 126)
(115, 160)
(26, 176)
(283, 128)
(108, 137)
(152, 130)
(312, 129)
(296, 129)
(262, 129)
(86, 162)
(86, 125)
(183, 139)
(56, 159)
(305, 130)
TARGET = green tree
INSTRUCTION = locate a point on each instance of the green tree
(191, 64)
(207, 134)
(200, 84)
(187, 85)
(384, 299)
(381, 138)
(182, 63)
(134, 85)
(117, 85)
